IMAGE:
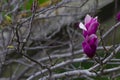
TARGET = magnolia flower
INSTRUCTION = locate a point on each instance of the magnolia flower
(89, 45)
(90, 42)
(118, 16)
(90, 25)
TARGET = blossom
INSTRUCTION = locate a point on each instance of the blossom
(90, 25)
(118, 16)
(90, 44)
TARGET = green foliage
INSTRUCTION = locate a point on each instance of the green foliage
(101, 78)
(30, 2)
(86, 65)
(59, 70)
(79, 79)
(42, 1)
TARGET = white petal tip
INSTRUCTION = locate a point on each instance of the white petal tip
(96, 17)
(82, 26)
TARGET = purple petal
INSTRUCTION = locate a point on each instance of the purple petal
(93, 20)
(93, 28)
(90, 44)
(85, 33)
(87, 19)
(93, 40)
(87, 25)
(118, 16)
(88, 50)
